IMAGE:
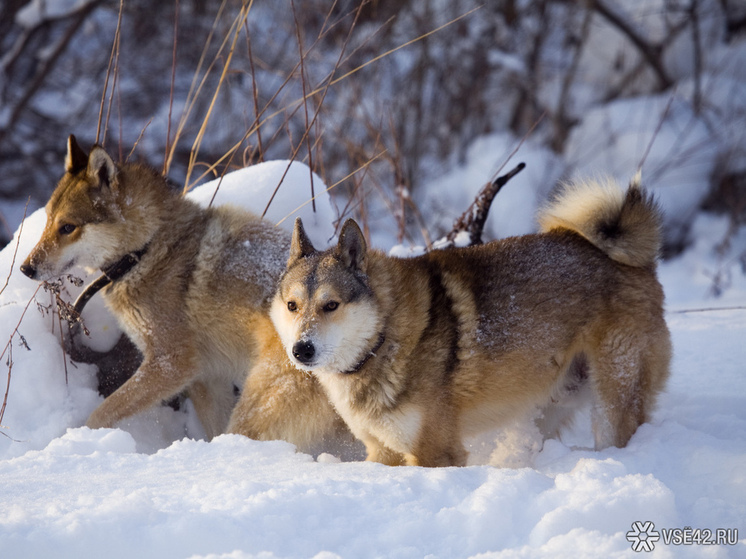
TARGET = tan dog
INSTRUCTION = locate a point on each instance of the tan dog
(415, 354)
(190, 286)
(279, 401)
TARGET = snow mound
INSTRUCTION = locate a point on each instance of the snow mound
(288, 185)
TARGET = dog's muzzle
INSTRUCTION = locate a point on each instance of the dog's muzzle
(304, 352)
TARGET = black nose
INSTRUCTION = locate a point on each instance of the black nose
(304, 351)
(28, 270)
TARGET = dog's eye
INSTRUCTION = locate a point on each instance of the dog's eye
(66, 229)
(292, 307)
(331, 306)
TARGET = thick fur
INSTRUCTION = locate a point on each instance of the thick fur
(279, 401)
(416, 354)
(195, 304)
(625, 225)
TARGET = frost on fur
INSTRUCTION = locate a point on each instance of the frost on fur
(626, 225)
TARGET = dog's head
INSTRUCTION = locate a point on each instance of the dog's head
(324, 310)
(83, 217)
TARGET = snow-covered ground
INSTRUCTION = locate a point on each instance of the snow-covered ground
(147, 490)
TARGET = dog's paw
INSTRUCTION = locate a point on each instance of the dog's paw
(98, 420)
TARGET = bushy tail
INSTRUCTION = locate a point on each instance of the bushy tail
(625, 225)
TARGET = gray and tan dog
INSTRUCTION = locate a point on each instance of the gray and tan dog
(415, 354)
(190, 286)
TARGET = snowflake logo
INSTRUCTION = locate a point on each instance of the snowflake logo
(643, 536)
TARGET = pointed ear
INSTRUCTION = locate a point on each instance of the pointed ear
(352, 248)
(101, 168)
(300, 245)
(76, 159)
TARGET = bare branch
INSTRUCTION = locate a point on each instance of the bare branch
(18, 242)
(302, 57)
(194, 88)
(173, 83)
(473, 219)
(709, 309)
(48, 63)
(561, 120)
(8, 348)
(651, 53)
(114, 54)
(340, 181)
(255, 94)
(324, 90)
(234, 33)
(662, 119)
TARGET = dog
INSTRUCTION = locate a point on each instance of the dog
(418, 353)
(190, 286)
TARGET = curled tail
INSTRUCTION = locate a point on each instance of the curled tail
(626, 225)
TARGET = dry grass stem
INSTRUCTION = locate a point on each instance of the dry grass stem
(329, 82)
(8, 347)
(194, 89)
(238, 23)
(332, 186)
(15, 250)
(114, 55)
(173, 85)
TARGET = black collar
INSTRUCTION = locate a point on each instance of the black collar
(113, 272)
(119, 269)
(371, 353)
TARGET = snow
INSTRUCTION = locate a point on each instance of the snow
(37, 12)
(253, 187)
(145, 490)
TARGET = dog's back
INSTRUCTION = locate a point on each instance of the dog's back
(576, 307)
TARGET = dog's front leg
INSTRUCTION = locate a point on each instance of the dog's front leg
(213, 401)
(439, 442)
(157, 379)
(377, 452)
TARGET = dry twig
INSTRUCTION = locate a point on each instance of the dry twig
(113, 62)
(651, 53)
(47, 64)
(8, 348)
(15, 250)
(473, 219)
